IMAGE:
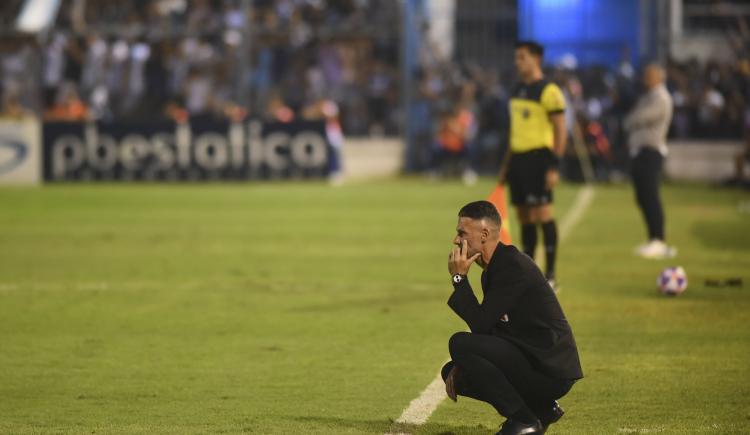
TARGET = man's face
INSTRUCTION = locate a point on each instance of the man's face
(472, 231)
(652, 76)
(525, 61)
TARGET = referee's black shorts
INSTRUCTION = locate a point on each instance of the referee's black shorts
(527, 175)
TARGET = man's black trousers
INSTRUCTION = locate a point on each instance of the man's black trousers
(646, 176)
(494, 370)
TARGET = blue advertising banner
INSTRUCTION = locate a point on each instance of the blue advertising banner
(212, 150)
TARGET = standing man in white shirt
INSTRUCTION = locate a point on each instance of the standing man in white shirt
(647, 125)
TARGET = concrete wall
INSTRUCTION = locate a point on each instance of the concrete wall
(704, 48)
(701, 161)
(366, 158)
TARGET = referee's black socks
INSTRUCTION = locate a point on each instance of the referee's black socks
(528, 239)
(549, 232)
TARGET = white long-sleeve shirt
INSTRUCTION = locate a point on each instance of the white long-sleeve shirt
(648, 122)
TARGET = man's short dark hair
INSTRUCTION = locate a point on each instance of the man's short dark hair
(480, 210)
(534, 47)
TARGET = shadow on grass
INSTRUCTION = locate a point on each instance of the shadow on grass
(382, 303)
(383, 426)
(732, 235)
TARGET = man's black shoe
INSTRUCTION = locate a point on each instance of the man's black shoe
(552, 416)
(511, 427)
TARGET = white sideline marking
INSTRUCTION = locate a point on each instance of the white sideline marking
(420, 409)
(581, 204)
(583, 200)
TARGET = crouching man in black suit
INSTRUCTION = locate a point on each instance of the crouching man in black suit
(520, 356)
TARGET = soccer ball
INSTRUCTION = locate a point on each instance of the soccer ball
(672, 281)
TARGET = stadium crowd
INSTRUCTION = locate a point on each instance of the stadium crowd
(146, 59)
(151, 59)
(712, 100)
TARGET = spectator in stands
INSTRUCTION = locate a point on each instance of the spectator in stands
(278, 110)
(454, 132)
(12, 107)
(119, 55)
(742, 159)
(327, 110)
(68, 105)
(378, 86)
(198, 93)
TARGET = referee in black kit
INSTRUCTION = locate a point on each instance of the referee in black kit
(537, 141)
(520, 356)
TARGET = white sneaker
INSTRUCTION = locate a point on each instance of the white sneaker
(656, 250)
(470, 177)
(336, 179)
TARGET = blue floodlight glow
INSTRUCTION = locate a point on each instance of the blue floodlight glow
(595, 32)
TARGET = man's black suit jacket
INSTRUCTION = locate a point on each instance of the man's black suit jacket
(520, 306)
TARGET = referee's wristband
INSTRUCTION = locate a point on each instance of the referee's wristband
(554, 160)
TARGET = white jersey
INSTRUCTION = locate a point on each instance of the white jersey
(648, 123)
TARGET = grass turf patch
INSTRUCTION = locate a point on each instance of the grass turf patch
(279, 308)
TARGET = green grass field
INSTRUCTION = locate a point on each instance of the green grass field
(300, 308)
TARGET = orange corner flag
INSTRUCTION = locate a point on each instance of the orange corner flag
(497, 198)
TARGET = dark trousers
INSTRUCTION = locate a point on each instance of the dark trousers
(494, 370)
(448, 162)
(646, 178)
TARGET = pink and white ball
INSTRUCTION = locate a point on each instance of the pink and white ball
(672, 281)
